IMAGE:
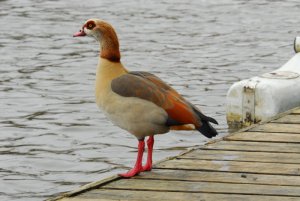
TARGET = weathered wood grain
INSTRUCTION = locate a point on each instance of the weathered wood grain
(128, 195)
(225, 177)
(296, 111)
(293, 158)
(288, 119)
(232, 166)
(265, 137)
(203, 187)
(277, 128)
(275, 147)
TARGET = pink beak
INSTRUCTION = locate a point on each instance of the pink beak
(79, 33)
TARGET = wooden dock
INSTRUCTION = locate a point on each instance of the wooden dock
(259, 163)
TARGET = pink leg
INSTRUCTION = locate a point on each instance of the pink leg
(138, 164)
(150, 143)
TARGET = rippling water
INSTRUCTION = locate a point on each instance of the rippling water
(52, 136)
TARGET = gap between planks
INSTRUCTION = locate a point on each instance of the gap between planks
(251, 146)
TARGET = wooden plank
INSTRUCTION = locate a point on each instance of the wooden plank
(296, 111)
(277, 128)
(232, 166)
(126, 195)
(288, 119)
(243, 156)
(265, 137)
(85, 187)
(226, 177)
(203, 187)
(275, 147)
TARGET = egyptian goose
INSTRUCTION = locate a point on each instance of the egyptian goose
(139, 102)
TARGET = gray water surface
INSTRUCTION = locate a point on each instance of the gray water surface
(53, 138)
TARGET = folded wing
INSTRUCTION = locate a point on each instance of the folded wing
(149, 87)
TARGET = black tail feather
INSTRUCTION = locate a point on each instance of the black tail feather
(207, 130)
(205, 118)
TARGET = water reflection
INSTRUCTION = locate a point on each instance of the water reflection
(53, 138)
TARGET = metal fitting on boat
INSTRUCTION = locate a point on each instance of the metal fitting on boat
(297, 44)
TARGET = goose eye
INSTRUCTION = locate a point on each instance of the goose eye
(90, 25)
